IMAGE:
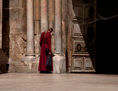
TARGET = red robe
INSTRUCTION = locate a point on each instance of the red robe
(45, 42)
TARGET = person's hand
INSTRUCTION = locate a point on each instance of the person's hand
(49, 53)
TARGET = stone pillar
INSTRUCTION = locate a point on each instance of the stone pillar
(37, 25)
(44, 15)
(59, 59)
(58, 27)
(37, 30)
(64, 25)
(29, 59)
(51, 12)
(30, 33)
(51, 15)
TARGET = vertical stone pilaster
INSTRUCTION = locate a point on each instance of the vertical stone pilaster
(64, 25)
(44, 15)
(30, 32)
(58, 28)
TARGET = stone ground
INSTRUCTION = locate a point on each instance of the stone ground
(58, 82)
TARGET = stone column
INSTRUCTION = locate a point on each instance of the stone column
(51, 15)
(64, 25)
(37, 25)
(58, 28)
(44, 15)
(51, 12)
(59, 59)
(30, 33)
(29, 59)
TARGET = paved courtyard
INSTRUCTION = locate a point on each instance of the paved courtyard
(58, 82)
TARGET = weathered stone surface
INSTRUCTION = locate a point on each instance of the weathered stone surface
(14, 3)
(69, 33)
(17, 29)
(37, 46)
(17, 46)
(24, 66)
(79, 59)
(51, 20)
(58, 82)
(37, 4)
(58, 26)
(30, 29)
(44, 15)
(64, 25)
(51, 10)
(17, 35)
(37, 30)
(59, 64)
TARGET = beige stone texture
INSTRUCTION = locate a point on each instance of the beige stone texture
(58, 82)
(51, 20)
(44, 15)
(59, 64)
(30, 28)
(58, 26)
(37, 30)
(17, 46)
(64, 25)
(17, 29)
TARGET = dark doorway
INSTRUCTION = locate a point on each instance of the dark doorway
(107, 26)
(4, 52)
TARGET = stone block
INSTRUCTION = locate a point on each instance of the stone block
(17, 46)
(59, 64)
(24, 66)
(14, 3)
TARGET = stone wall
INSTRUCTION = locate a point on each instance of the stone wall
(17, 29)
(17, 19)
(18, 32)
(16, 37)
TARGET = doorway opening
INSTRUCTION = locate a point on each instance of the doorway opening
(82, 52)
(4, 51)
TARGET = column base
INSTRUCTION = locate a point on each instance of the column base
(24, 65)
(28, 64)
(59, 64)
(29, 58)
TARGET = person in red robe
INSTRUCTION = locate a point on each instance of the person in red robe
(45, 42)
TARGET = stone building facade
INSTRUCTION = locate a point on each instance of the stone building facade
(73, 38)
